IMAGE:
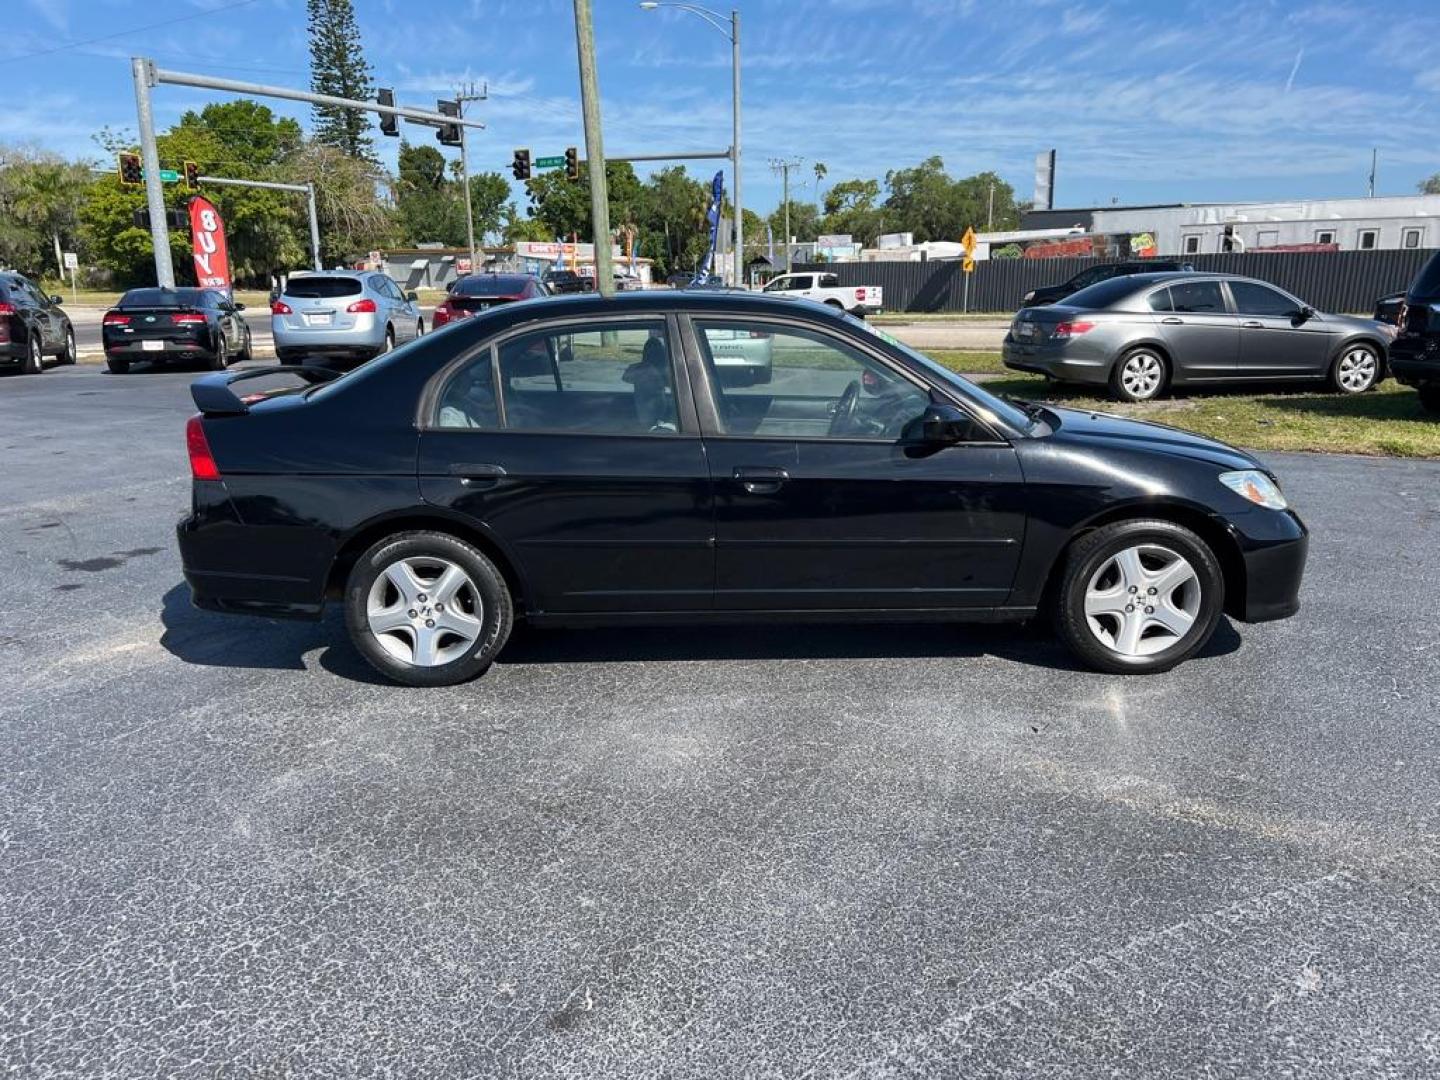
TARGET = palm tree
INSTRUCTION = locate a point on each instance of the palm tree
(821, 171)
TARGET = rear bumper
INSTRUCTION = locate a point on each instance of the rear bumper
(1060, 361)
(232, 567)
(1274, 567)
(365, 338)
(173, 350)
(1415, 361)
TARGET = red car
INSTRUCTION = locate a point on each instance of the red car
(480, 292)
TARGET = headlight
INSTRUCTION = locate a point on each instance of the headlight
(1254, 485)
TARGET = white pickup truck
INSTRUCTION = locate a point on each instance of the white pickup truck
(826, 288)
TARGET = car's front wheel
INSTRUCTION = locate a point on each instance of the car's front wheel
(1356, 369)
(70, 355)
(1139, 597)
(427, 609)
(1139, 375)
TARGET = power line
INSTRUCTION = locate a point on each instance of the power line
(131, 30)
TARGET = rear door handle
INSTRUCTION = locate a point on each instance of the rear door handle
(1173, 321)
(760, 479)
(1253, 325)
(478, 475)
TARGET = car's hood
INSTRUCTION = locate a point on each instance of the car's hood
(1092, 428)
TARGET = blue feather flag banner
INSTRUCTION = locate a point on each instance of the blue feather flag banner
(717, 200)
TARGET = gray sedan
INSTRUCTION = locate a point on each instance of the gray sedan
(342, 315)
(1142, 334)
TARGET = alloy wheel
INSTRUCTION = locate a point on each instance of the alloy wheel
(1142, 374)
(425, 611)
(1357, 369)
(1142, 600)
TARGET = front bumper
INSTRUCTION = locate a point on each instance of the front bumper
(1063, 360)
(1273, 548)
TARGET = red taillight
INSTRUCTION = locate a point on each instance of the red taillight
(361, 307)
(202, 462)
(187, 317)
(441, 316)
(112, 319)
(279, 307)
(9, 309)
(1072, 329)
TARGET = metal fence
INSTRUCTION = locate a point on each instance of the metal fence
(1342, 281)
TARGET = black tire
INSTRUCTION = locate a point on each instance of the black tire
(1430, 398)
(220, 357)
(1358, 368)
(1090, 554)
(389, 340)
(1124, 389)
(419, 327)
(70, 353)
(497, 615)
(118, 365)
(835, 304)
(34, 362)
(247, 353)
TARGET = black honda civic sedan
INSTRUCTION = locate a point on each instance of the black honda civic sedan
(587, 460)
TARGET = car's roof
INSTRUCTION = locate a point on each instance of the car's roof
(672, 299)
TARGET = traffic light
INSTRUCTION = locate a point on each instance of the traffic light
(520, 167)
(130, 172)
(389, 122)
(449, 134)
(572, 163)
(192, 176)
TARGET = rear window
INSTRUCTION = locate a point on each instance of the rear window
(1427, 285)
(322, 288)
(161, 298)
(1103, 294)
(491, 285)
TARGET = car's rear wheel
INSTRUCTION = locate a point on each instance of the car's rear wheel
(247, 351)
(1356, 369)
(427, 609)
(221, 355)
(389, 340)
(1139, 597)
(1140, 375)
(70, 355)
(1430, 398)
(34, 356)
(118, 365)
(419, 327)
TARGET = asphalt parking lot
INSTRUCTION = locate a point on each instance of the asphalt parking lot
(754, 851)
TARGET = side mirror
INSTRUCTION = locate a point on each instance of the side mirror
(57, 300)
(412, 296)
(942, 424)
(1305, 312)
(238, 307)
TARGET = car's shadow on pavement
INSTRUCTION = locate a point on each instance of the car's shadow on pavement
(214, 640)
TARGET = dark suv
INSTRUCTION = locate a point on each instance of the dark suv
(1093, 275)
(1415, 352)
(32, 326)
(568, 281)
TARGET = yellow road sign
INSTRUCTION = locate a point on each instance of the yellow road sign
(968, 243)
(968, 265)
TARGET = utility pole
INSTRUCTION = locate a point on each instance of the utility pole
(739, 256)
(990, 214)
(463, 96)
(1374, 164)
(594, 147)
(783, 168)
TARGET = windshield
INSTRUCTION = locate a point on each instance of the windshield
(998, 407)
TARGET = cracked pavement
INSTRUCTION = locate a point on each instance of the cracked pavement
(225, 850)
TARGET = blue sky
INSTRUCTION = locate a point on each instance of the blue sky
(1145, 101)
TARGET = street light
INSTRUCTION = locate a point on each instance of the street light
(732, 31)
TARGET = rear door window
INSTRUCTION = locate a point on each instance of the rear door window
(1253, 299)
(1198, 298)
(829, 281)
(323, 288)
(1160, 300)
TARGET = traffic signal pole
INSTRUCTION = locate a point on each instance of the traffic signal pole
(144, 73)
(147, 76)
(308, 190)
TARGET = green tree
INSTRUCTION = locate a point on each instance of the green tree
(804, 221)
(528, 228)
(924, 200)
(338, 67)
(671, 220)
(41, 200)
(489, 199)
(1430, 185)
(352, 219)
(564, 205)
(850, 209)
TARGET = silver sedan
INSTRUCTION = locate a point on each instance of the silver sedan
(1142, 334)
(342, 315)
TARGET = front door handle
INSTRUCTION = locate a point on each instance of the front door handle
(1173, 321)
(760, 479)
(1253, 325)
(478, 475)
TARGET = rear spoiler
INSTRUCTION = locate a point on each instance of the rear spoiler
(214, 397)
